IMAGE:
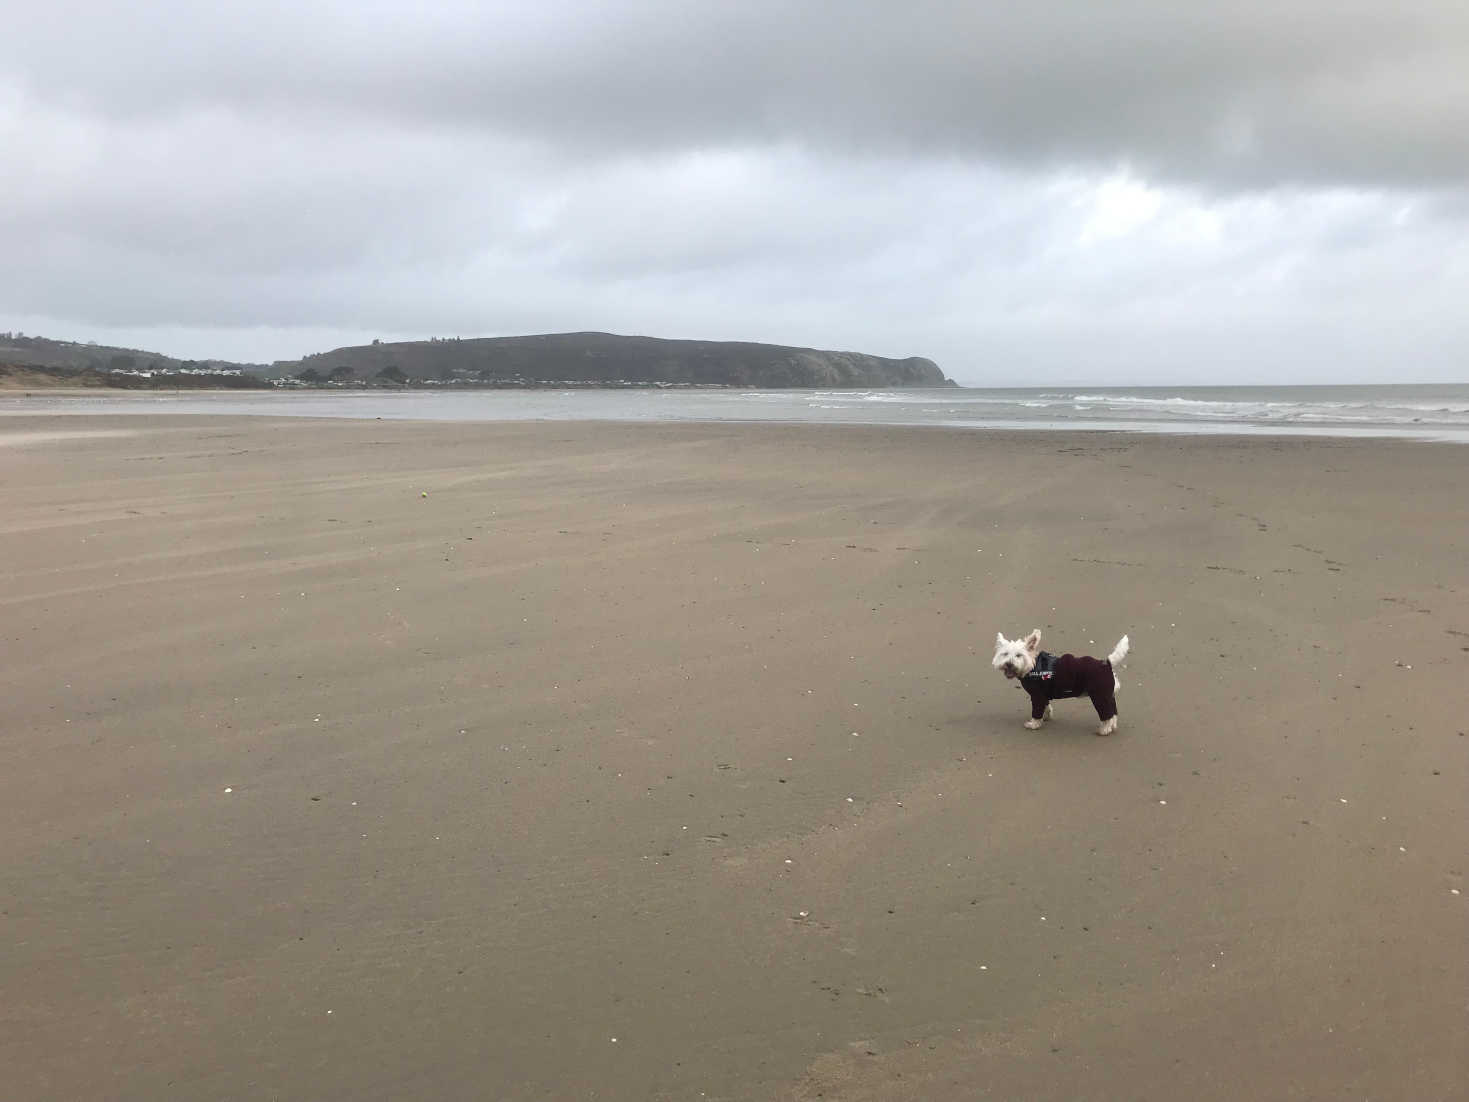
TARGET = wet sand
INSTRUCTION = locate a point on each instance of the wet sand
(666, 762)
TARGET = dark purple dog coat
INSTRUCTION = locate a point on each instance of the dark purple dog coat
(1060, 678)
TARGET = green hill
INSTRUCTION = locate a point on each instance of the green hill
(552, 359)
(605, 359)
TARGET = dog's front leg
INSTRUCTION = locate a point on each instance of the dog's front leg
(1034, 723)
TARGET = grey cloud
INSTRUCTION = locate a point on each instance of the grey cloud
(1160, 187)
(1228, 95)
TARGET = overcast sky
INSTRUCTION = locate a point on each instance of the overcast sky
(1136, 191)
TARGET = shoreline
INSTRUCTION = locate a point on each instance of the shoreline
(531, 405)
(358, 758)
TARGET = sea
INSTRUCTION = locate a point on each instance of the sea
(1436, 412)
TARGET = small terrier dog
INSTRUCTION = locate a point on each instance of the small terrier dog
(1046, 677)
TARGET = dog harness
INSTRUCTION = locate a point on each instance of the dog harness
(1043, 677)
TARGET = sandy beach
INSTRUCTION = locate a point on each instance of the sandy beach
(383, 760)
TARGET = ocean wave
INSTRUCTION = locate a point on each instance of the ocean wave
(1256, 407)
(1384, 410)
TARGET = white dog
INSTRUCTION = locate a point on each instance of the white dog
(1046, 677)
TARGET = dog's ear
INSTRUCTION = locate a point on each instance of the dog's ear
(1033, 641)
(1000, 640)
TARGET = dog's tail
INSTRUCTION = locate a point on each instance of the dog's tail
(1119, 652)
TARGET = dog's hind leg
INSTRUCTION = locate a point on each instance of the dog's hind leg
(1106, 706)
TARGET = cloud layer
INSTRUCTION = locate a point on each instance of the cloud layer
(1160, 193)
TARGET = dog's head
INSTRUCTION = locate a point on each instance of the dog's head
(1016, 657)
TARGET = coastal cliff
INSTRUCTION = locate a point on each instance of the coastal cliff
(606, 359)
